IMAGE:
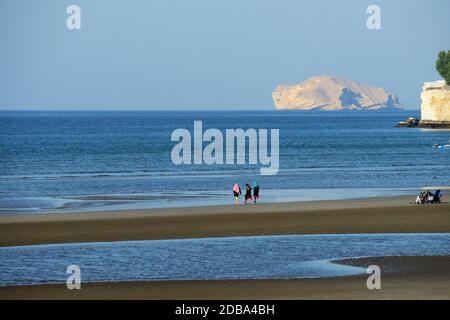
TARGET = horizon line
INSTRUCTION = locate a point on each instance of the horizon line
(209, 110)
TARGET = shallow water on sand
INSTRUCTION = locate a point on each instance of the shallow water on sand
(38, 205)
(260, 257)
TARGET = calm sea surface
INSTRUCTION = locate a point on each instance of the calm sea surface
(63, 161)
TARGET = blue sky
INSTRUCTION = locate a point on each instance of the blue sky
(203, 54)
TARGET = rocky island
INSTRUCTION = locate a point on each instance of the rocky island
(332, 93)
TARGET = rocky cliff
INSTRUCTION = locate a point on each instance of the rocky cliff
(332, 93)
(435, 109)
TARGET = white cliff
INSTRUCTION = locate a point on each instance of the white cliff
(435, 107)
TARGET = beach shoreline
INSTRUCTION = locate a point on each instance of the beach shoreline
(402, 278)
(377, 215)
(405, 277)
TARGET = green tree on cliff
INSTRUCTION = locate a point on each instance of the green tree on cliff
(443, 65)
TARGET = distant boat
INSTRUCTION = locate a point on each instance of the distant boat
(438, 146)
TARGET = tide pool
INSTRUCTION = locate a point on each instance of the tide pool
(259, 257)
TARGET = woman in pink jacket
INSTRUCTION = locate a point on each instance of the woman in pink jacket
(236, 192)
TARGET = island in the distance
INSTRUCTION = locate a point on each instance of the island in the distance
(333, 93)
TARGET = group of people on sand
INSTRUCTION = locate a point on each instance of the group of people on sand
(248, 192)
(429, 197)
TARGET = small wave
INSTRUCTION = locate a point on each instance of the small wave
(217, 173)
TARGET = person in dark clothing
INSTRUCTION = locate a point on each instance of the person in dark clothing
(248, 193)
(437, 196)
(255, 191)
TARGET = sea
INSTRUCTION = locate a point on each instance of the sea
(71, 161)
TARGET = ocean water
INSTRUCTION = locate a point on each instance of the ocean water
(71, 161)
(260, 257)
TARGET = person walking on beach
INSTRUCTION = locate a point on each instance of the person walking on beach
(236, 192)
(255, 191)
(248, 193)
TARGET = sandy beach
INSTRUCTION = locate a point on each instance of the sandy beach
(403, 277)
(380, 215)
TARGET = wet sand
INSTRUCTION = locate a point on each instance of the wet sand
(402, 278)
(380, 215)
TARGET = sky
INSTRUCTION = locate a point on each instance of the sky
(210, 55)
